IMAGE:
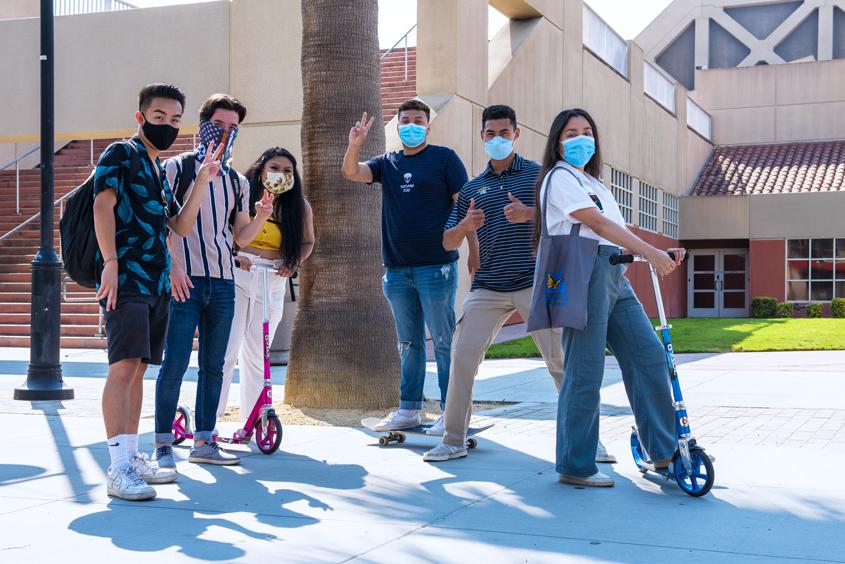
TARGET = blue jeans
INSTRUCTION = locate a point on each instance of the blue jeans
(615, 318)
(419, 296)
(211, 308)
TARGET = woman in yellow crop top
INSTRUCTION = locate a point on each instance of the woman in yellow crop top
(286, 236)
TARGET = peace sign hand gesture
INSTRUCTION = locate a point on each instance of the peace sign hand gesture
(210, 166)
(358, 133)
(264, 207)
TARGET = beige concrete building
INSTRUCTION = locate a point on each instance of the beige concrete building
(657, 135)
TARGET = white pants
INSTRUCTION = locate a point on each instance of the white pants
(246, 340)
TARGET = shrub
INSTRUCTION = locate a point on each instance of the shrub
(764, 307)
(814, 310)
(837, 307)
(785, 309)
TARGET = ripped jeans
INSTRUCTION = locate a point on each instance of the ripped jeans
(420, 296)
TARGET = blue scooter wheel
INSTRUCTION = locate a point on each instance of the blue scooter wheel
(638, 453)
(700, 480)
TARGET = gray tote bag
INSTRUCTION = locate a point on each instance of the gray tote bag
(561, 275)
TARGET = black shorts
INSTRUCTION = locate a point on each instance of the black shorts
(137, 328)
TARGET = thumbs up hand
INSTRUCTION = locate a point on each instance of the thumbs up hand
(474, 218)
(516, 211)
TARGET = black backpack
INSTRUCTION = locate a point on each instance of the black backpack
(187, 174)
(79, 240)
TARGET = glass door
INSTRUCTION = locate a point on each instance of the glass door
(718, 283)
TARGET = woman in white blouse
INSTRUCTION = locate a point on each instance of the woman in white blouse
(615, 318)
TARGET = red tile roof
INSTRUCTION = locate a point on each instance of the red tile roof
(739, 170)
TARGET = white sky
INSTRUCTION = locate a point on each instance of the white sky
(627, 17)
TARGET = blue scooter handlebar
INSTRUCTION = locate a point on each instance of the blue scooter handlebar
(626, 259)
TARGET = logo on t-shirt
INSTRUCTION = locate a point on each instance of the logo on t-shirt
(597, 201)
(407, 186)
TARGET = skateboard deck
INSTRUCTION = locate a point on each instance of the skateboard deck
(398, 435)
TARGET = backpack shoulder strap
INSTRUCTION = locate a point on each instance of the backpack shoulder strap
(236, 189)
(187, 174)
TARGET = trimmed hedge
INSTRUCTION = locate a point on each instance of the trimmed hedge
(837, 308)
(764, 307)
(785, 309)
(814, 310)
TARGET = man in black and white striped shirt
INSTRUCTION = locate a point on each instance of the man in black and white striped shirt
(202, 281)
(497, 206)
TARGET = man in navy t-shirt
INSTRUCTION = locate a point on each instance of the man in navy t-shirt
(419, 185)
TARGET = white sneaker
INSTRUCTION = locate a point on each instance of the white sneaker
(439, 427)
(150, 471)
(124, 483)
(444, 452)
(602, 455)
(597, 480)
(397, 421)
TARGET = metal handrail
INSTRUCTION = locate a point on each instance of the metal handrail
(392, 47)
(17, 163)
(84, 300)
(60, 202)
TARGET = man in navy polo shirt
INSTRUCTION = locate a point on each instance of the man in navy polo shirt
(496, 205)
(419, 186)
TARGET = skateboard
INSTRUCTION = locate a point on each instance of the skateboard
(398, 435)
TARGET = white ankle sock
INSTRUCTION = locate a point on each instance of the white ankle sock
(131, 445)
(117, 450)
(409, 412)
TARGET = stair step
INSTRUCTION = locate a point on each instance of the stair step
(18, 330)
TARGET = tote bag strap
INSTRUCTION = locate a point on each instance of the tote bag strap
(544, 229)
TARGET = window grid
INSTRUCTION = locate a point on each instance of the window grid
(815, 270)
(670, 215)
(620, 186)
(649, 207)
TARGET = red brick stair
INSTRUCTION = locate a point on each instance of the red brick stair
(72, 166)
(79, 319)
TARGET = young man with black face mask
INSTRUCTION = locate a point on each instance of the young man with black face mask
(202, 280)
(131, 220)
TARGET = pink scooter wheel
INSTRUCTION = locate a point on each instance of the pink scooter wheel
(268, 442)
(180, 426)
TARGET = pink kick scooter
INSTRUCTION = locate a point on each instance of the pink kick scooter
(262, 420)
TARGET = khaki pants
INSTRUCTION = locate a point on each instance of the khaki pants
(484, 314)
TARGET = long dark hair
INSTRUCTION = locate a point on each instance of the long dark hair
(554, 153)
(288, 208)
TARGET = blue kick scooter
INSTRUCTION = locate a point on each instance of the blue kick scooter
(691, 467)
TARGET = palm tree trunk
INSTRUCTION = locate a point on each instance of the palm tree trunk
(343, 350)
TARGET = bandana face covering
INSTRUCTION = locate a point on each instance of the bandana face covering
(210, 132)
(277, 182)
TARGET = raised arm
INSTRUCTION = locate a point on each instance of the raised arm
(472, 221)
(615, 233)
(353, 169)
(184, 221)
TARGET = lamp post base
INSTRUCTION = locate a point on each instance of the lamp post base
(43, 383)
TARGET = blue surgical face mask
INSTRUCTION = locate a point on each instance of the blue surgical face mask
(412, 135)
(578, 151)
(498, 148)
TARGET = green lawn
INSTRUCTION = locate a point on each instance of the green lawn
(726, 335)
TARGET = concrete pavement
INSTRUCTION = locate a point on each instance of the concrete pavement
(774, 420)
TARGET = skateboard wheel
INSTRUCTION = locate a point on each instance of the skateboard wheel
(383, 441)
(472, 443)
(400, 439)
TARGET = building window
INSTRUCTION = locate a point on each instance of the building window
(815, 269)
(620, 186)
(670, 215)
(648, 207)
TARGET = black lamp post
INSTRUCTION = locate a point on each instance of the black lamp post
(44, 376)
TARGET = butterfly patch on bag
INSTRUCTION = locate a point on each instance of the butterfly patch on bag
(556, 290)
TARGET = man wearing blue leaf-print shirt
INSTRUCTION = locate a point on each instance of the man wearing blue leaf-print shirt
(133, 210)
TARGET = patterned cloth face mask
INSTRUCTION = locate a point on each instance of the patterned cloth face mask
(210, 132)
(277, 182)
